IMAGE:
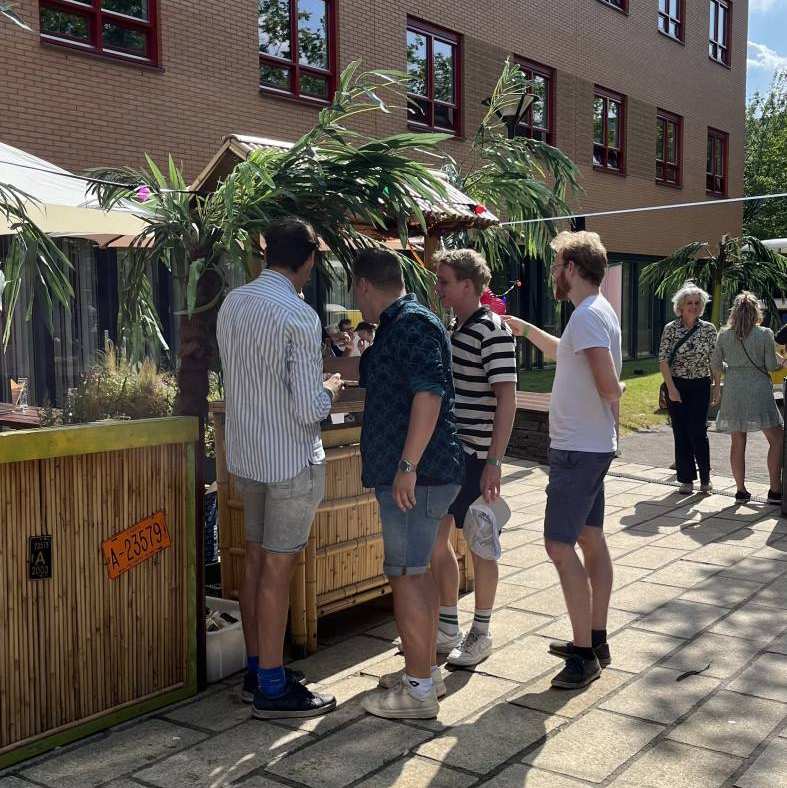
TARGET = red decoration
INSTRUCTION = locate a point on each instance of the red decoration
(495, 304)
(479, 210)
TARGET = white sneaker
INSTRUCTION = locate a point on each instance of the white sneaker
(473, 649)
(390, 680)
(445, 643)
(399, 703)
(686, 489)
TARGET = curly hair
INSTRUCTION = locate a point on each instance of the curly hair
(746, 313)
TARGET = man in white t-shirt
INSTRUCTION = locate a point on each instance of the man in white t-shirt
(583, 441)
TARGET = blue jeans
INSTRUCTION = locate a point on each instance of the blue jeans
(408, 537)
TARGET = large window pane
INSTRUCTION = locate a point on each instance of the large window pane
(538, 108)
(613, 129)
(314, 85)
(274, 28)
(65, 25)
(443, 56)
(134, 8)
(313, 33)
(416, 63)
(418, 111)
(660, 139)
(598, 120)
(444, 116)
(125, 39)
(274, 76)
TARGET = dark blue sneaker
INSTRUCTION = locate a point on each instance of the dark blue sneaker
(297, 701)
(250, 682)
(577, 673)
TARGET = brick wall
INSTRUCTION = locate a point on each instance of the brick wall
(80, 111)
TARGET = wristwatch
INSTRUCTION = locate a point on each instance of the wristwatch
(406, 467)
(496, 461)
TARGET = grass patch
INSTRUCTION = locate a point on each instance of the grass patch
(639, 403)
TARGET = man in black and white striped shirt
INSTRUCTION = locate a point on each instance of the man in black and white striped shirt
(270, 345)
(485, 377)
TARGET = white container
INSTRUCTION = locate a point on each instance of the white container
(225, 649)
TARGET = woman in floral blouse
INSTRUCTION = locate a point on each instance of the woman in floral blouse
(684, 360)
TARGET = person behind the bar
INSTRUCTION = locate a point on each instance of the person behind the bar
(582, 445)
(413, 459)
(276, 397)
(485, 377)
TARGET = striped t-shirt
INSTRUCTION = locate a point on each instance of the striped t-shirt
(483, 353)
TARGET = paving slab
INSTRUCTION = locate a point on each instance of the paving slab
(760, 569)
(225, 758)
(540, 695)
(349, 656)
(722, 591)
(524, 556)
(560, 628)
(631, 539)
(652, 557)
(350, 753)
(255, 781)
(468, 692)
(642, 597)
(752, 622)
(505, 595)
(414, 772)
(16, 782)
(730, 722)
(658, 696)
(769, 769)
(540, 576)
(515, 537)
(750, 537)
(779, 644)
(486, 740)
(118, 753)
(549, 602)
(520, 661)
(634, 650)
(683, 574)
(520, 775)
(678, 766)
(593, 746)
(626, 575)
(680, 618)
(766, 677)
(774, 595)
(726, 655)
(511, 623)
(774, 524)
(776, 551)
(217, 711)
(719, 553)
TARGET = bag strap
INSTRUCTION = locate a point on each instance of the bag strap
(680, 342)
(756, 366)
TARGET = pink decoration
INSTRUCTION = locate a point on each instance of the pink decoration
(495, 304)
(143, 194)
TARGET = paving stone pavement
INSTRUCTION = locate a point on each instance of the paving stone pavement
(696, 695)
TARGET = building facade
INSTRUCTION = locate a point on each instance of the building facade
(646, 96)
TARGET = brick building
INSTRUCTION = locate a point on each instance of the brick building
(94, 86)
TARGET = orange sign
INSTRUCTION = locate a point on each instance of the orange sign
(131, 547)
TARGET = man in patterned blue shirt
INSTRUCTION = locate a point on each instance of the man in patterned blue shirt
(413, 459)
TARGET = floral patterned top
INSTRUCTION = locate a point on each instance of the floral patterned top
(693, 357)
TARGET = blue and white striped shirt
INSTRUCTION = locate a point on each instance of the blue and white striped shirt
(270, 345)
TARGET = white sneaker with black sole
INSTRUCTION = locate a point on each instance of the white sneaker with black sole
(390, 680)
(473, 649)
(401, 703)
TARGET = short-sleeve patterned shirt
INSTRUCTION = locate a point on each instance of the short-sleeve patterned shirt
(693, 357)
(411, 353)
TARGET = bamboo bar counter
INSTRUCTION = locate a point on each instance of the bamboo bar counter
(98, 576)
(342, 563)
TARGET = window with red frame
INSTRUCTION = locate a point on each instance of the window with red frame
(538, 119)
(434, 71)
(716, 169)
(669, 129)
(719, 31)
(608, 125)
(621, 5)
(124, 29)
(671, 16)
(297, 40)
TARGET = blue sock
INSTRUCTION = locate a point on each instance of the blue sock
(252, 664)
(273, 681)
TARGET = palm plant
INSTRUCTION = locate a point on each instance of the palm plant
(347, 186)
(519, 179)
(738, 264)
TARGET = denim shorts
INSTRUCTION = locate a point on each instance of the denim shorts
(408, 537)
(575, 493)
(279, 515)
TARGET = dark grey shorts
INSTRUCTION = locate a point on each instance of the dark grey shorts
(575, 493)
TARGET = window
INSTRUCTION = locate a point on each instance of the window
(716, 170)
(297, 48)
(608, 126)
(621, 5)
(434, 71)
(669, 130)
(671, 16)
(123, 29)
(719, 34)
(538, 120)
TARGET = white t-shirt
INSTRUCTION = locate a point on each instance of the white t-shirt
(579, 420)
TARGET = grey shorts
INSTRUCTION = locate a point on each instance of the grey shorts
(575, 493)
(408, 537)
(279, 515)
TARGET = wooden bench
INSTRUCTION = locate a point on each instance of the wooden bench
(530, 436)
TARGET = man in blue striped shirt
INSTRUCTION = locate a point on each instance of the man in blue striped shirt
(276, 396)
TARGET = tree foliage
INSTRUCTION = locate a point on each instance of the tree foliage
(765, 167)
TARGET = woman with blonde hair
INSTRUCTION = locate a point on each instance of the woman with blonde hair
(749, 352)
(684, 361)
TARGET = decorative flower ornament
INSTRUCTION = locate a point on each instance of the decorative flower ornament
(143, 193)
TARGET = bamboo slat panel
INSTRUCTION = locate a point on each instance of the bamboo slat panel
(79, 645)
(342, 564)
